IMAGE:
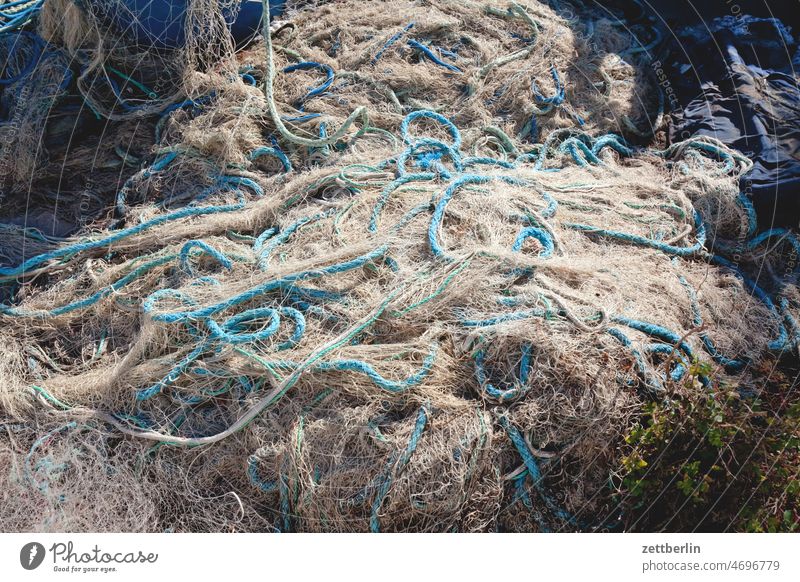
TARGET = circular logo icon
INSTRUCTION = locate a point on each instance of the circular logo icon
(31, 555)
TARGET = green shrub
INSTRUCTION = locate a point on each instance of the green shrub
(714, 459)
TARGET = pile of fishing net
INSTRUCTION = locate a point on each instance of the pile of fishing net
(105, 101)
(382, 318)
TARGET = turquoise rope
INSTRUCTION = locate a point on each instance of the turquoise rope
(533, 469)
(393, 39)
(430, 55)
(540, 235)
(224, 182)
(92, 299)
(362, 367)
(204, 312)
(425, 114)
(520, 385)
(383, 489)
(650, 381)
(256, 480)
(697, 320)
(779, 344)
(444, 200)
(387, 192)
(636, 239)
(273, 152)
(205, 248)
(41, 441)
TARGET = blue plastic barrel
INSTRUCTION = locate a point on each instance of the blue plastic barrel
(160, 23)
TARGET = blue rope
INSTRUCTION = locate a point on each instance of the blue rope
(124, 102)
(444, 200)
(580, 152)
(264, 250)
(230, 332)
(393, 39)
(636, 239)
(520, 385)
(158, 165)
(613, 141)
(16, 42)
(533, 469)
(16, 20)
(680, 367)
(791, 324)
(697, 320)
(205, 248)
(174, 374)
(225, 182)
(275, 153)
(780, 343)
(387, 192)
(203, 312)
(425, 114)
(299, 328)
(656, 331)
(310, 65)
(92, 299)
(557, 98)
(754, 242)
(650, 381)
(540, 235)
(427, 154)
(386, 481)
(362, 367)
(651, 329)
(255, 479)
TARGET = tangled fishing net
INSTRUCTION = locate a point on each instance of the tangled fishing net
(371, 277)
